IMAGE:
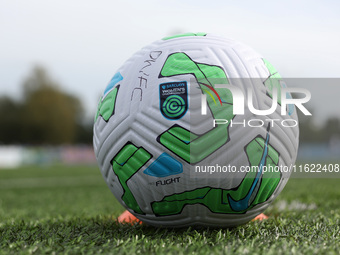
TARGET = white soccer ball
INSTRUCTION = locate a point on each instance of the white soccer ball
(180, 143)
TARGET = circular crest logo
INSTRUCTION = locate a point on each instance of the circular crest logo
(173, 99)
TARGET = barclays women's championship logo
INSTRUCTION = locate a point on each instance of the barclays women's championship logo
(173, 99)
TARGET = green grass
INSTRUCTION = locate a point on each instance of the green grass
(70, 210)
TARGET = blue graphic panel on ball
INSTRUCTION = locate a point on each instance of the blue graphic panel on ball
(164, 166)
(115, 79)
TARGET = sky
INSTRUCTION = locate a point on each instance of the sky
(82, 43)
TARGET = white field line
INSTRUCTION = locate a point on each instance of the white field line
(293, 206)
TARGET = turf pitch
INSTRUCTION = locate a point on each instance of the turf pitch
(70, 210)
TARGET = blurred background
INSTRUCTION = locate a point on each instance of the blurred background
(56, 58)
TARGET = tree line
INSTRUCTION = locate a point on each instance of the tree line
(44, 115)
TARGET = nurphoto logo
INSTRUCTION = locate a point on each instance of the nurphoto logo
(282, 97)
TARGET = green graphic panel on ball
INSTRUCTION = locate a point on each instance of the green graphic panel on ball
(194, 147)
(184, 35)
(270, 179)
(125, 164)
(178, 140)
(273, 81)
(218, 200)
(106, 106)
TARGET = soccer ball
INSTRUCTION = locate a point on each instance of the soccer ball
(176, 141)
